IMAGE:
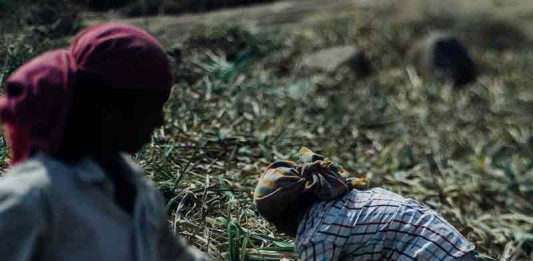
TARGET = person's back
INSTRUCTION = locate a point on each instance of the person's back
(67, 212)
(377, 224)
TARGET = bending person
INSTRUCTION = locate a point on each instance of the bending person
(331, 220)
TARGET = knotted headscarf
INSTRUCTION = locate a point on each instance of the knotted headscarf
(122, 56)
(35, 102)
(38, 94)
(285, 183)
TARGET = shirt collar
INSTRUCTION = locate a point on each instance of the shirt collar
(89, 171)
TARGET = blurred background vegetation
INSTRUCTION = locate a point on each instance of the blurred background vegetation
(248, 91)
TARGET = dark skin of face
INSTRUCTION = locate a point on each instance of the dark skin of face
(100, 124)
(103, 122)
(129, 119)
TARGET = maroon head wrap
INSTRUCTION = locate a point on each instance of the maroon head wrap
(122, 56)
(38, 94)
(34, 106)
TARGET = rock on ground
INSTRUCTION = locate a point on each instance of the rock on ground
(331, 59)
(442, 57)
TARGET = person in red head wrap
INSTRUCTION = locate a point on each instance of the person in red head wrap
(71, 117)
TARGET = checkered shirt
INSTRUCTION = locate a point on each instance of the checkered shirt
(377, 224)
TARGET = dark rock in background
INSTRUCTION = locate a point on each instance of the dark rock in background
(442, 57)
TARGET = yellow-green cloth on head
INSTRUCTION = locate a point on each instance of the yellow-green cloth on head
(286, 189)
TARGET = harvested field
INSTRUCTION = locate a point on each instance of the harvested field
(242, 99)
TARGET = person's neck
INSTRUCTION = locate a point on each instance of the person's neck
(109, 161)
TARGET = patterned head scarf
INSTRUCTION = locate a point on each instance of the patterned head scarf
(38, 94)
(285, 183)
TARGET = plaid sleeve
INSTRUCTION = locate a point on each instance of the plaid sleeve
(323, 250)
(375, 225)
(316, 239)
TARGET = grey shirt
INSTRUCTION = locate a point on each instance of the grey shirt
(53, 211)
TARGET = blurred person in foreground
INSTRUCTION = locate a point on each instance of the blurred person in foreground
(71, 117)
(314, 201)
